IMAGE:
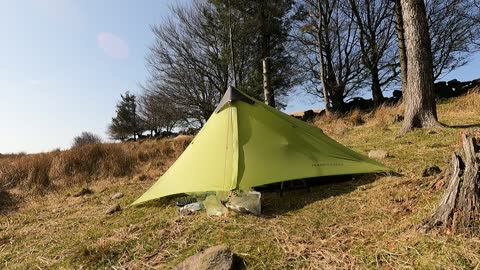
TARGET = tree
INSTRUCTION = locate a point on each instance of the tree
(263, 27)
(420, 107)
(402, 50)
(126, 122)
(453, 32)
(273, 30)
(86, 138)
(375, 21)
(189, 60)
(158, 112)
(328, 42)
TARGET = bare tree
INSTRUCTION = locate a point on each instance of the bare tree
(453, 32)
(158, 112)
(189, 63)
(329, 43)
(420, 107)
(375, 21)
(402, 50)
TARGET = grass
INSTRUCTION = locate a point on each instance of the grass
(368, 222)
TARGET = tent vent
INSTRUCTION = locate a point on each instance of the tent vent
(232, 95)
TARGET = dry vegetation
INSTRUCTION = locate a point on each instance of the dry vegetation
(368, 222)
(40, 173)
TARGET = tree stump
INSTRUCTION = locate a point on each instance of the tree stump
(459, 208)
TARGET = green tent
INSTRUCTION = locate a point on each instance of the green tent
(246, 143)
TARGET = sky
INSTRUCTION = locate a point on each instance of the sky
(64, 64)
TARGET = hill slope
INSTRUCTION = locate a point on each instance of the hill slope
(366, 222)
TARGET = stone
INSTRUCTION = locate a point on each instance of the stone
(115, 208)
(215, 258)
(431, 171)
(117, 196)
(378, 154)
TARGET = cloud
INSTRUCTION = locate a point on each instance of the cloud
(113, 46)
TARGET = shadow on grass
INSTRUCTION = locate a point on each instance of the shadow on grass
(274, 204)
(296, 194)
(463, 126)
(8, 202)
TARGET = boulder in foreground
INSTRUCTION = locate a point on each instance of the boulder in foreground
(214, 258)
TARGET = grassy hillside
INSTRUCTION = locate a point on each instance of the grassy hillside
(364, 223)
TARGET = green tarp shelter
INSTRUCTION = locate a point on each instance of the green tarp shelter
(246, 143)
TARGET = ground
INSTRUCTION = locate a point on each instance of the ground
(368, 222)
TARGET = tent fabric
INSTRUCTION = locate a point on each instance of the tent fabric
(248, 144)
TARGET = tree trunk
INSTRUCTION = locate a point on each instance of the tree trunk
(269, 96)
(338, 105)
(420, 108)
(323, 79)
(401, 43)
(232, 51)
(267, 90)
(376, 88)
(459, 208)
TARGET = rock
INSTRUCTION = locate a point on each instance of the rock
(378, 154)
(83, 191)
(431, 171)
(113, 209)
(117, 196)
(217, 257)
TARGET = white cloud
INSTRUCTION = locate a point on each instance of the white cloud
(113, 46)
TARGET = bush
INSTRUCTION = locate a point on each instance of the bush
(86, 138)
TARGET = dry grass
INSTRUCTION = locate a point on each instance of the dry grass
(363, 223)
(332, 124)
(30, 172)
(91, 162)
(385, 115)
(39, 173)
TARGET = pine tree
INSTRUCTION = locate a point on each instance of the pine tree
(126, 122)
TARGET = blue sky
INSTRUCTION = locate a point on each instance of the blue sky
(64, 64)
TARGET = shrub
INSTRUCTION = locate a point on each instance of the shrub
(86, 138)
